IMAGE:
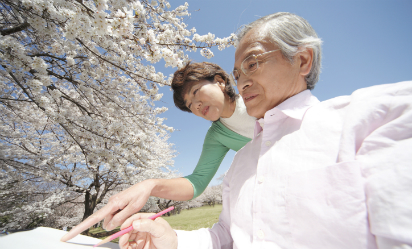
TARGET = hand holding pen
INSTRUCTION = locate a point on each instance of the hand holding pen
(147, 233)
(130, 228)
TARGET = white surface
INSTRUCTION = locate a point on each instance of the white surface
(49, 238)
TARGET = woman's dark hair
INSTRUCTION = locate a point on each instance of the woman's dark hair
(186, 77)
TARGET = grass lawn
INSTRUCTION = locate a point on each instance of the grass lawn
(187, 220)
(195, 218)
(100, 233)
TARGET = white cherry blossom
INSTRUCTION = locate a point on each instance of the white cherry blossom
(78, 94)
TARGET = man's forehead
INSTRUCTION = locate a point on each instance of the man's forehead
(253, 40)
(248, 48)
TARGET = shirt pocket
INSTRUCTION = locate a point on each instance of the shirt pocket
(326, 208)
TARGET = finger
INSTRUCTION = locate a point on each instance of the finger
(133, 245)
(117, 204)
(133, 237)
(107, 220)
(139, 244)
(129, 240)
(142, 240)
(90, 221)
(147, 241)
(124, 240)
(156, 229)
(128, 222)
(120, 217)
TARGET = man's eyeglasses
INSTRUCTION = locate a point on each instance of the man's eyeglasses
(249, 65)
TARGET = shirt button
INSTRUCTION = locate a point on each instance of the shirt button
(260, 234)
(261, 179)
(268, 143)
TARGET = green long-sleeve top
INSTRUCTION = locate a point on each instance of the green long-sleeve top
(219, 139)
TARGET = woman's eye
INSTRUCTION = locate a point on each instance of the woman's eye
(194, 93)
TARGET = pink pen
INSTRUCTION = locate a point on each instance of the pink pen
(130, 228)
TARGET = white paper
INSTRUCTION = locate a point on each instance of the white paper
(49, 238)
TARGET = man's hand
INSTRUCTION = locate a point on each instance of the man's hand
(120, 207)
(148, 234)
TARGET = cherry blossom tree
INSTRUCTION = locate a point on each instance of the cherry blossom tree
(78, 94)
(194, 203)
(212, 195)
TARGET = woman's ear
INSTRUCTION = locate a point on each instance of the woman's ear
(219, 80)
(306, 58)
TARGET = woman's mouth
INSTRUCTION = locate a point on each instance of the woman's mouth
(205, 110)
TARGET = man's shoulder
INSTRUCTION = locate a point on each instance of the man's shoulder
(376, 93)
(392, 89)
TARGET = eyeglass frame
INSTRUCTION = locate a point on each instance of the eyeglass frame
(243, 70)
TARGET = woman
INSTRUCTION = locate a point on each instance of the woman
(204, 89)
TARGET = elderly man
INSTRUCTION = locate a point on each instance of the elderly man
(332, 174)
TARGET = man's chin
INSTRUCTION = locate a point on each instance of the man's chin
(254, 113)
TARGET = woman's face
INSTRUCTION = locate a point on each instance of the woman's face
(206, 99)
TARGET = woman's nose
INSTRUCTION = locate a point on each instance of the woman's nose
(197, 103)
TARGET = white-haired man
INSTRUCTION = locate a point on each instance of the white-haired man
(332, 174)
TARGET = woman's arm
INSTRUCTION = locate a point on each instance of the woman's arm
(178, 189)
(219, 139)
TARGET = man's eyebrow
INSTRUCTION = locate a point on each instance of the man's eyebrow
(253, 50)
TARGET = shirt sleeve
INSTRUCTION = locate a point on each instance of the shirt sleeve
(382, 138)
(213, 153)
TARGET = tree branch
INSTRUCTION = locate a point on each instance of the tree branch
(122, 68)
(24, 100)
(15, 29)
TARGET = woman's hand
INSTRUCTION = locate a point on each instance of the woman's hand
(148, 234)
(128, 202)
(120, 207)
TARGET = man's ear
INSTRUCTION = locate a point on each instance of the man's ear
(306, 58)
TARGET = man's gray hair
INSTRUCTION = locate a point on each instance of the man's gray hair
(292, 34)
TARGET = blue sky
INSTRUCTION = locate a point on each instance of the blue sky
(365, 43)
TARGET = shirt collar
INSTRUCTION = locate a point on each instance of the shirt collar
(258, 127)
(294, 107)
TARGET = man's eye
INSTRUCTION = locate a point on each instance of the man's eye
(194, 93)
(251, 65)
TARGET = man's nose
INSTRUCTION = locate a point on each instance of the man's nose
(243, 83)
